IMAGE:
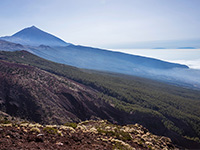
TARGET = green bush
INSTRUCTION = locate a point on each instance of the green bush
(121, 135)
(71, 124)
(50, 130)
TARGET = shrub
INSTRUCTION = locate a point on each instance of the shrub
(121, 135)
(35, 129)
(50, 130)
(71, 124)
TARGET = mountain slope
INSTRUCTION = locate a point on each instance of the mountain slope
(37, 95)
(104, 60)
(84, 135)
(9, 46)
(108, 60)
(163, 109)
(52, 48)
(35, 37)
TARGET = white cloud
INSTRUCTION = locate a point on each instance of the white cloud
(194, 64)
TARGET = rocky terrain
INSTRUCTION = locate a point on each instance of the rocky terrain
(101, 134)
(45, 92)
(30, 93)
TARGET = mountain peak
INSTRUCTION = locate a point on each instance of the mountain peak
(34, 36)
(27, 30)
(33, 26)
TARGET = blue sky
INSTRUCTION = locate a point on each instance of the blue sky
(104, 23)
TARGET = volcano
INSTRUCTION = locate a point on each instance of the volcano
(34, 37)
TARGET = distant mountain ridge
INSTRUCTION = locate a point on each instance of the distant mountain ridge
(45, 45)
(100, 59)
(34, 37)
(5, 45)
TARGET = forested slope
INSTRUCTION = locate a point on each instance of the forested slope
(163, 109)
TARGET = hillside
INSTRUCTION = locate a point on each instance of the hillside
(117, 62)
(10, 46)
(50, 47)
(33, 94)
(85, 135)
(163, 109)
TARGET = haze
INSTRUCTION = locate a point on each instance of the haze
(104, 23)
(189, 57)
